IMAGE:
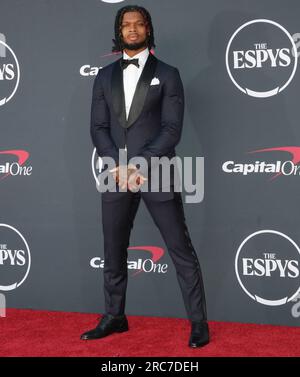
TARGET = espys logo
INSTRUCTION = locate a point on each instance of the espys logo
(267, 267)
(9, 72)
(276, 168)
(261, 58)
(9, 167)
(15, 258)
(140, 265)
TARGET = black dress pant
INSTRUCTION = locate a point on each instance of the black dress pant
(118, 219)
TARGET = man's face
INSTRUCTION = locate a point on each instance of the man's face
(134, 31)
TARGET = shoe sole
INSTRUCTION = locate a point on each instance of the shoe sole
(123, 329)
(198, 346)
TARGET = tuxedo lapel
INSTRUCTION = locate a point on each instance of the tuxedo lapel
(141, 90)
(117, 91)
(118, 97)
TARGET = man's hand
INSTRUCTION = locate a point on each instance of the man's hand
(128, 175)
(135, 180)
(121, 175)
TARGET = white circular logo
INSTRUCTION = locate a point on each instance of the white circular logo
(9, 73)
(261, 58)
(112, 1)
(15, 258)
(267, 267)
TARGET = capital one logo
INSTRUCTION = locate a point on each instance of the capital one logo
(10, 167)
(9, 72)
(289, 167)
(261, 58)
(140, 265)
(15, 259)
(267, 267)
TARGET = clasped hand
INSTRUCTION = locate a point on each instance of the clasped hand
(128, 175)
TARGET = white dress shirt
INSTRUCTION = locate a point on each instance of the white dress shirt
(131, 75)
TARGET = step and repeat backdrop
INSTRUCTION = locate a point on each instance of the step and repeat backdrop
(238, 63)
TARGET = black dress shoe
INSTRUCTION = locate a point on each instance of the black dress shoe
(199, 334)
(108, 324)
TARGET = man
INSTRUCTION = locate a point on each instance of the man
(138, 107)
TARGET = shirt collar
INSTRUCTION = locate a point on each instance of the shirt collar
(142, 56)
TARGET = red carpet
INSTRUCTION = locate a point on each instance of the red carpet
(45, 333)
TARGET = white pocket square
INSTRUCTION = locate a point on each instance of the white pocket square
(155, 81)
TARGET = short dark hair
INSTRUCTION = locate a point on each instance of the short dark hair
(118, 44)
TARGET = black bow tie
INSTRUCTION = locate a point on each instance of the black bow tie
(125, 62)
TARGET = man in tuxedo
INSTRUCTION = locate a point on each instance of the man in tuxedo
(138, 107)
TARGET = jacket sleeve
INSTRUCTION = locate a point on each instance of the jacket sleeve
(100, 123)
(172, 113)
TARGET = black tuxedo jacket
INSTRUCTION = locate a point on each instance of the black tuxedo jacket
(155, 120)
